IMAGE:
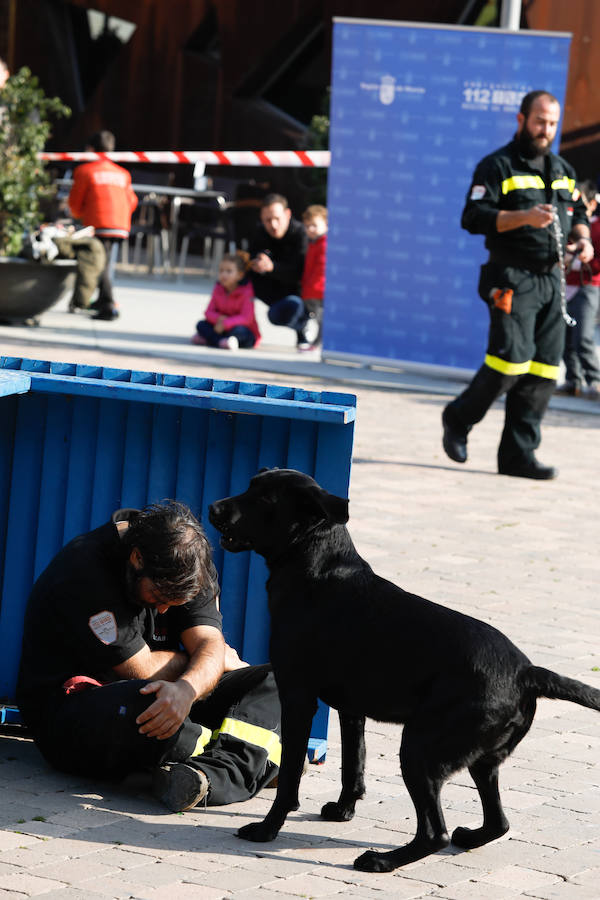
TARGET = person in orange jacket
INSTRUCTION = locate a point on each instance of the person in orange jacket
(102, 197)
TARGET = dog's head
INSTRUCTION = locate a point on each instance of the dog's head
(279, 506)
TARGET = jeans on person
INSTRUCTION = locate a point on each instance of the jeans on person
(106, 300)
(244, 335)
(289, 311)
(580, 356)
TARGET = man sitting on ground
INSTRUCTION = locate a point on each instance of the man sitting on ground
(124, 667)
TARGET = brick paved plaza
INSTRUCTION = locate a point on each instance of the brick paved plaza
(520, 554)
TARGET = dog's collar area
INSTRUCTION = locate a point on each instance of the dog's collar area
(293, 544)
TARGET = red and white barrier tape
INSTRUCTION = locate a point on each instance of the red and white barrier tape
(296, 158)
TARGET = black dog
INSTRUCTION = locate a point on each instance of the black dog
(465, 693)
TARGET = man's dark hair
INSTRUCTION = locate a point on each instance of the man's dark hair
(102, 142)
(270, 199)
(175, 551)
(530, 98)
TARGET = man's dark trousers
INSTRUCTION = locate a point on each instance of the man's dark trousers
(237, 745)
(522, 360)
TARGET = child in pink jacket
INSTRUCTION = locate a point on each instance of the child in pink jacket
(229, 320)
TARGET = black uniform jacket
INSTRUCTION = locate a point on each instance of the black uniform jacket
(288, 255)
(506, 180)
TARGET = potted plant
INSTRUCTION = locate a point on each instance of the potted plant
(26, 287)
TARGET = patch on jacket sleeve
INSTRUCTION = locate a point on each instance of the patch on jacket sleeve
(104, 626)
(477, 192)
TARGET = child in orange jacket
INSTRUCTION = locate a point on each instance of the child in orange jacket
(229, 321)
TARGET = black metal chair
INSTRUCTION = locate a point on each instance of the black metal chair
(147, 223)
(208, 219)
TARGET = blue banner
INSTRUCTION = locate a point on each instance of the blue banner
(414, 109)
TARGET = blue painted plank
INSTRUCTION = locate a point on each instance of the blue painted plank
(164, 450)
(217, 473)
(191, 459)
(108, 471)
(21, 534)
(53, 482)
(234, 580)
(136, 454)
(8, 419)
(14, 383)
(226, 401)
(82, 464)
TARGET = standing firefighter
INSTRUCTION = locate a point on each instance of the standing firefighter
(522, 199)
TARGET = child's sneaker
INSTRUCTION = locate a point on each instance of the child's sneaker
(198, 340)
(229, 343)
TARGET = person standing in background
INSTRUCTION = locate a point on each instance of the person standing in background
(102, 197)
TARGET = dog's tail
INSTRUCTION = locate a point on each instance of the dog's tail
(557, 687)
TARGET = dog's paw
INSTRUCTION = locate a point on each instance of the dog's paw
(333, 812)
(469, 838)
(257, 832)
(371, 861)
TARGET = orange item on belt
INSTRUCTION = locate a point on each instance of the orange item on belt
(102, 196)
(502, 298)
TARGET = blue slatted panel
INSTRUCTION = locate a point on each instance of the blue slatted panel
(88, 439)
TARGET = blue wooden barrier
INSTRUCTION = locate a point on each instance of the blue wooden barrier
(79, 441)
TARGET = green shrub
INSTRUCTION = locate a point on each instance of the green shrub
(25, 113)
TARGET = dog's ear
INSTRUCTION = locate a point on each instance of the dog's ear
(335, 508)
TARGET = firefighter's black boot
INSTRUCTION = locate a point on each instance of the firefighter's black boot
(470, 407)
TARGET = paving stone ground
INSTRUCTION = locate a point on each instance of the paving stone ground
(522, 555)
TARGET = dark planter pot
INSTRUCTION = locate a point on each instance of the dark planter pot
(28, 288)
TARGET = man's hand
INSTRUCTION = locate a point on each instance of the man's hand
(540, 216)
(232, 660)
(261, 263)
(583, 248)
(173, 703)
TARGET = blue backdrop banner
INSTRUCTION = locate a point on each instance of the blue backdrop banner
(414, 108)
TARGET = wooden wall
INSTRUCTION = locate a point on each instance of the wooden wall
(159, 93)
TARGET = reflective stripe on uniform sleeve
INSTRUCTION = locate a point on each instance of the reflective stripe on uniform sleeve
(544, 371)
(564, 182)
(531, 366)
(252, 734)
(521, 183)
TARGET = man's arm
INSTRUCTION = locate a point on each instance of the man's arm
(539, 216)
(205, 656)
(77, 194)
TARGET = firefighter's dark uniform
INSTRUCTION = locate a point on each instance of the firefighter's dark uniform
(81, 622)
(525, 345)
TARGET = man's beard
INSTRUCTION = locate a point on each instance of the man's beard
(132, 577)
(529, 146)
